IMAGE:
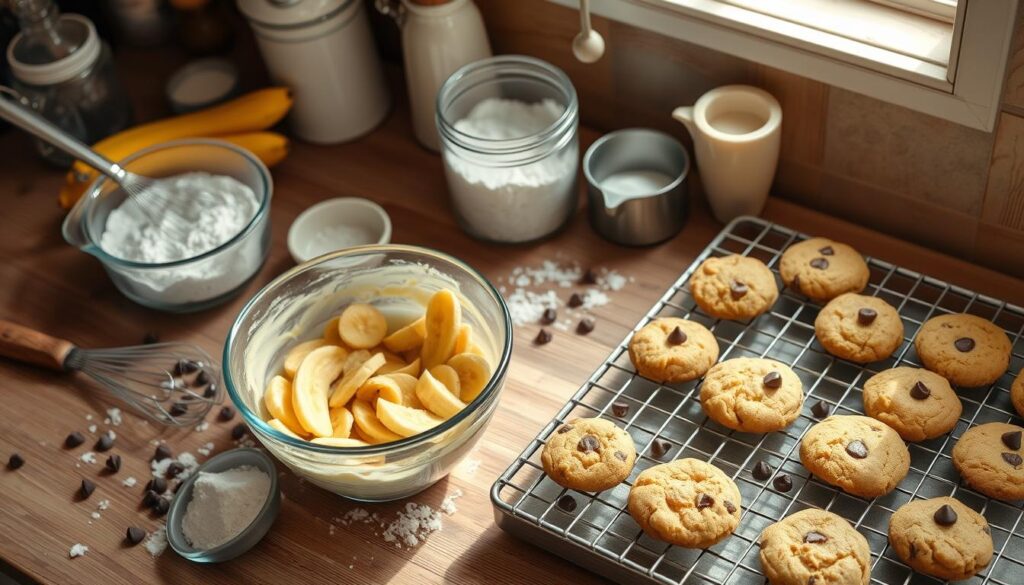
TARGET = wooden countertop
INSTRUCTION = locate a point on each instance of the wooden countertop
(55, 288)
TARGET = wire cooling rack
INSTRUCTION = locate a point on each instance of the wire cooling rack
(598, 532)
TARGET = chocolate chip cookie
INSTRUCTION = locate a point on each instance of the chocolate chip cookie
(941, 537)
(858, 454)
(859, 328)
(686, 502)
(966, 349)
(673, 350)
(1017, 393)
(588, 455)
(916, 403)
(815, 547)
(989, 458)
(822, 269)
(734, 287)
(752, 395)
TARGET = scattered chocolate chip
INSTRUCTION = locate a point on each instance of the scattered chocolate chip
(149, 500)
(620, 456)
(134, 535)
(820, 409)
(586, 325)
(150, 338)
(964, 344)
(815, 537)
(210, 391)
(543, 337)
(185, 367)
(162, 452)
(919, 391)
(819, 263)
(676, 337)
(575, 300)
(659, 447)
(826, 251)
(588, 444)
(178, 409)
(783, 482)
(105, 442)
(15, 461)
(86, 489)
(549, 316)
(737, 290)
(857, 449)
(1013, 459)
(239, 431)
(201, 379)
(226, 413)
(589, 277)
(913, 550)
(74, 440)
(564, 429)
(866, 316)
(986, 529)
(175, 469)
(620, 409)
(704, 501)
(772, 380)
(161, 506)
(945, 515)
(114, 463)
(795, 285)
(567, 503)
(729, 506)
(1012, 440)
(157, 484)
(761, 471)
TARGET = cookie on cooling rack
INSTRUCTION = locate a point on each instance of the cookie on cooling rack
(1017, 393)
(965, 349)
(815, 546)
(823, 269)
(858, 454)
(733, 287)
(941, 537)
(687, 503)
(673, 350)
(753, 395)
(859, 328)
(990, 459)
(916, 403)
(589, 455)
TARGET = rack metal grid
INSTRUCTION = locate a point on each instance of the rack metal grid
(598, 532)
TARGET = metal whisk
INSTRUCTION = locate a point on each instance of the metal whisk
(171, 383)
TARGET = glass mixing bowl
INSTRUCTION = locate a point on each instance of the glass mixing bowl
(399, 281)
(191, 284)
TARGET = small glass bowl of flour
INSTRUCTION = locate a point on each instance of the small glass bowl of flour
(509, 139)
(220, 191)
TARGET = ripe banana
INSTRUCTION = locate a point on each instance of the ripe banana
(278, 399)
(280, 426)
(362, 326)
(407, 338)
(474, 373)
(372, 430)
(341, 420)
(346, 388)
(443, 319)
(463, 339)
(436, 397)
(383, 387)
(312, 387)
(299, 353)
(331, 333)
(405, 421)
(446, 375)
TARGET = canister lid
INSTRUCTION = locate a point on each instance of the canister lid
(61, 70)
(290, 13)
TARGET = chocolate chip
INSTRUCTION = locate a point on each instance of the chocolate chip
(1013, 459)
(964, 344)
(919, 391)
(737, 290)
(589, 277)
(161, 506)
(783, 482)
(913, 550)
(620, 456)
(772, 380)
(134, 535)
(986, 530)
(819, 263)
(239, 431)
(761, 471)
(549, 316)
(815, 537)
(857, 449)
(676, 337)
(178, 409)
(201, 379)
(945, 515)
(162, 452)
(586, 326)
(157, 484)
(820, 409)
(575, 300)
(114, 463)
(704, 501)
(226, 413)
(567, 503)
(826, 251)
(74, 440)
(150, 338)
(105, 442)
(185, 367)
(659, 447)
(866, 316)
(1012, 440)
(86, 489)
(15, 461)
(565, 429)
(729, 507)
(620, 409)
(150, 499)
(588, 444)
(210, 391)
(175, 469)
(543, 337)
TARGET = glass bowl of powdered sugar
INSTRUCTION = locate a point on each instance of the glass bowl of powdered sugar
(219, 192)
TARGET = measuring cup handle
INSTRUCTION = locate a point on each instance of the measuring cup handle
(33, 347)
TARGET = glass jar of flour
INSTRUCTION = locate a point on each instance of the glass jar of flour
(510, 143)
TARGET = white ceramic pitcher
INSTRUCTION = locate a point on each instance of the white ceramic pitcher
(736, 131)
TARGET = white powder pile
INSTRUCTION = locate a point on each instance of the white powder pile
(414, 524)
(156, 543)
(223, 504)
(129, 482)
(88, 457)
(533, 289)
(78, 550)
(187, 460)
(113, 414)
(505, 200)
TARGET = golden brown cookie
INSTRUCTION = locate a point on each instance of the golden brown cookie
(965, 349)
(916, 403)
(673, 350)
(941, 537)
(752, 395)
(817, 547)
(990, 459)
(858, 454)
(686, 502)
(823, 269)
(1017, 393)
(859, 328)
(588, 455)
(734, 287)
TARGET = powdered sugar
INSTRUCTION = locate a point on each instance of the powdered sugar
(113, 416)
(223, 505)
(187, 460)
(129, 482)
(78, 550)
(414, 523)
(533, 289)
(88, 457)
(156, 543)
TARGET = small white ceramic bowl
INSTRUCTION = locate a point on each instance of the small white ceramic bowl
(337, 224)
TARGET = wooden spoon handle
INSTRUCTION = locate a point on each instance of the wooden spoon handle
(30, 346)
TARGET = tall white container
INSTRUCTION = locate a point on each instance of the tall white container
(324, 51)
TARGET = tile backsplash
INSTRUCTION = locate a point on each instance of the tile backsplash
(930, 181)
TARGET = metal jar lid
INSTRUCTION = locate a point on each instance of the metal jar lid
(291, 13)
(61, 70)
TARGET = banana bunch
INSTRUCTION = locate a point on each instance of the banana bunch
(361, 384)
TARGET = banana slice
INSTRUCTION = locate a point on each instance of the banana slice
(346, 388)
(447, 375)
(299, 353)
(362, 326)
(463, 339)
(341, 420)
(476, 350)
(443, 319)
(312, 386)
(371, 429)
(339, 442)
(331, 333)
(392, 362)
(278, 399)
(407, 338)
(407, 385)
(413, 369)
(380, 386)
(405, 421)
(436, 397)
(356, 359)
(474, 373)
(276, 424)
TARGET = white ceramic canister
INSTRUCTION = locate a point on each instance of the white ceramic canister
(324, 51)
